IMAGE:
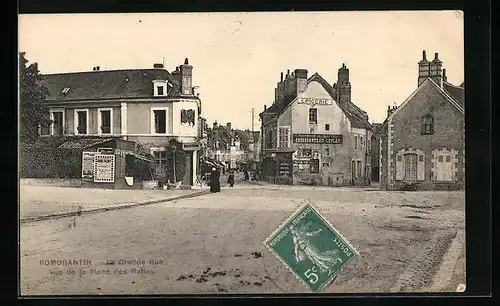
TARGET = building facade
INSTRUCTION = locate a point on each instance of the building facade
(150, 107)
(422, 142)
(232, 147)
(314, 134)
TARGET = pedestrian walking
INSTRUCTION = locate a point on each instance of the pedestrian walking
(230, 179)
(246, 176)
(214, 180)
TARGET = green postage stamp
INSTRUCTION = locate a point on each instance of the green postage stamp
(311, 248)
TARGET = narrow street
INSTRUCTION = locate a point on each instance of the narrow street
(214, 243)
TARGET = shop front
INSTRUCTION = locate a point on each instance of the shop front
(106, 162)
(319, 159)
(277, 167)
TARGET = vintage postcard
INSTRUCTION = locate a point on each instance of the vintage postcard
(242, 153)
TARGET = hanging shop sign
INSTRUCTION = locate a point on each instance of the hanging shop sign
(106, 150)
(88, 164)
(314, 101)
(104, 168)
(317, 138)
(191, 146)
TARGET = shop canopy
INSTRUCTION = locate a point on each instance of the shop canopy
(84, 143)
(141, 157)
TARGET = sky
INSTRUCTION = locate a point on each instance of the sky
(237, 58)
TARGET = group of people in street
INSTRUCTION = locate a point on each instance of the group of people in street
(215, 175)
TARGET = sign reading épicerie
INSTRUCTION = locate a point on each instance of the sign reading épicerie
(315, 101)
(317, 138)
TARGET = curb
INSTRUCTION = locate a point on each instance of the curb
(447, 269)
(110, 208)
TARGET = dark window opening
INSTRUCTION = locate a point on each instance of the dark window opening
(359, 168)
(160, 90)
(420, 158)
(313, 115)
(82, 122)
(327, 127)
(314, 165)
(427, 125)
(106, 122)
(160, 121)
(57, 118)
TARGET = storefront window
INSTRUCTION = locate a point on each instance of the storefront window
(314, 164)
(305, 153)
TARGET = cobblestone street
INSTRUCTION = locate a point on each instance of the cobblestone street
(214, 243)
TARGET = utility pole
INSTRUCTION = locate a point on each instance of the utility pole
(252, 120)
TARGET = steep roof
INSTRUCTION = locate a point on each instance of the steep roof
(441, 90)
(456, 92)
(108, 84)
(356, 115)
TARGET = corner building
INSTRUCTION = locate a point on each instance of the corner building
(422, 141)
(313, 134)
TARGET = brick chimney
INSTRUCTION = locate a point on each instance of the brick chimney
(300, 80)
(343, 85)
(436, 70)
(423, 68)
(391, 110)
(186, 72)
(158, 66)
(176, 74)
(229, 126)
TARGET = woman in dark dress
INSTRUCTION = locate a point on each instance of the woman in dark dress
(230, 179)
(214, 180)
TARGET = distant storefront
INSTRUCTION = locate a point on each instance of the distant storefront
(314, 135)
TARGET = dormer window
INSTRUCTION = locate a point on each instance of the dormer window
(160, 88)
(65, 90)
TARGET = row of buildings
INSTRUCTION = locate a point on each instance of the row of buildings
(314, 134)
(142, 111)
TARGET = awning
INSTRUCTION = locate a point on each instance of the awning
(220, 163)
(141, 157)
(209, 163)
(84, 143)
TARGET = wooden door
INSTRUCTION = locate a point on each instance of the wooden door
(188, 176)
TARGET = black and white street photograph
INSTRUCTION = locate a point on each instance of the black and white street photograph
(242, 153)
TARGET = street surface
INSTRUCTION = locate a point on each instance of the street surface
(213, 243)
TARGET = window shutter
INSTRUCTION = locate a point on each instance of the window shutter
(400, 169)
(421, 167)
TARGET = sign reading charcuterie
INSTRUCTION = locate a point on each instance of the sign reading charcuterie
(315, 101)
(317, 138)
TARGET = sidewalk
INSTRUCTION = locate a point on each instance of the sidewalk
(47, 202)
(298, 187)
(459, 273)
